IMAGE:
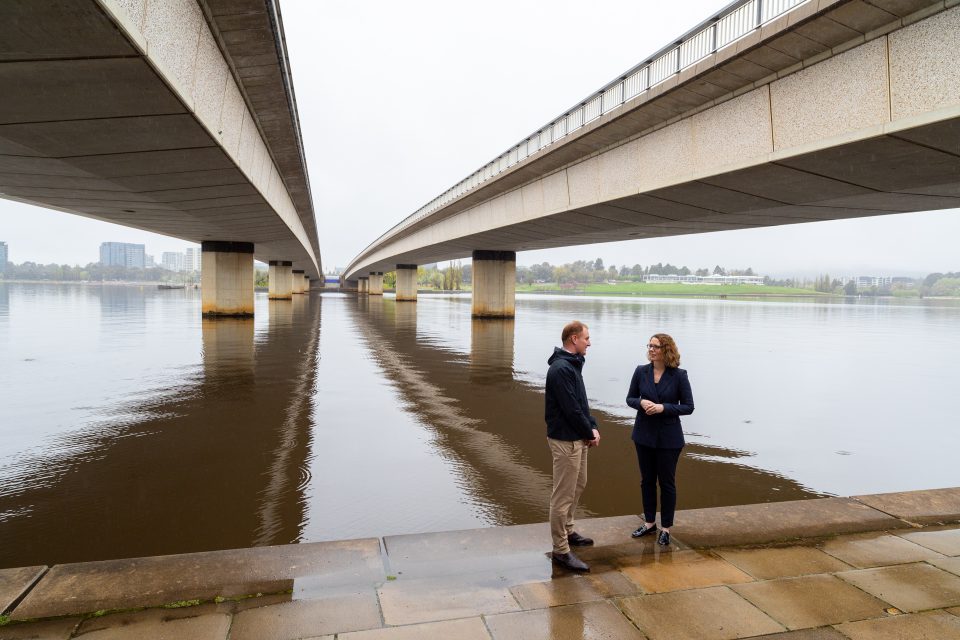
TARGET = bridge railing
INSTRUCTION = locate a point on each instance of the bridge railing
(731, 24)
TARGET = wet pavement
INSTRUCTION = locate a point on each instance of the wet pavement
(880, 566)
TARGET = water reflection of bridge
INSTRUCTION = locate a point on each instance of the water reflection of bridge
(490, 424)
(217, 461)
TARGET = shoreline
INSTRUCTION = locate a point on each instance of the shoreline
(495, 572)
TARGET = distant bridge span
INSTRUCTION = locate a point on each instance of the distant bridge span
(815, 111)
(176, 117)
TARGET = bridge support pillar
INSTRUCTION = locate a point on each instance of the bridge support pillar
(306, 283)
(298, 280)
(494, 284)
(375, 283)
(226, 278)
(406, 283)
(362, 285)
(281, 280)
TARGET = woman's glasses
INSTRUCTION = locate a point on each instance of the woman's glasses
(654, 347)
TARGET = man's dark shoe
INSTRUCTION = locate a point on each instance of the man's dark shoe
(577, 540)
(644, 530)
(570, 561)
(664, 538)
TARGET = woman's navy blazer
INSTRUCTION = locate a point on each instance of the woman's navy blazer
(673, 392)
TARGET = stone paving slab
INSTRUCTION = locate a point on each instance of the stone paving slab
(495, 549)
(714, 613)
(811, 601)
(821, 633)
(909, 587)
(877, 549)
(48, 630)
(681, 570)
(779, 521)
(918, 626)
(469, 551)
(573, 589)
(142, 582)
(947, 564)
(587, 621)
(785, 562)
(306, 618)
(214, 626)
(945, 541)
(463, 629)
(14, 582)
(924, 507)
(411, 601)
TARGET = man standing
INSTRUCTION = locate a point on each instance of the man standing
(571, 430)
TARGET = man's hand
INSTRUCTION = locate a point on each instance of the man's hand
(596, 439)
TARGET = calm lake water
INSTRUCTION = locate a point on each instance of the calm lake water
(131, 427)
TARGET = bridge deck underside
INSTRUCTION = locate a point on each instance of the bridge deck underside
(915, 170)
(87, 126)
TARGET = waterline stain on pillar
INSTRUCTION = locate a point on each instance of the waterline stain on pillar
(375, 282)
(363, 285)
(306, 284)
(406, 283)
(226, 278)
(281, 280)
(494, 284)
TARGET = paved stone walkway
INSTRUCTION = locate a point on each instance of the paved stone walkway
(868, 567)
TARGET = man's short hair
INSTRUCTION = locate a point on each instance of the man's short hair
(574, 328)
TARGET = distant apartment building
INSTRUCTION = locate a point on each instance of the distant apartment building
(172, 260)
(869, 282)
(191, 259)
(866, 282)
(713, 279)
(149, 262)
(122, 254)
(4, 256)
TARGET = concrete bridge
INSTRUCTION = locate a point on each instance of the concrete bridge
(772, 112)
(177, 117)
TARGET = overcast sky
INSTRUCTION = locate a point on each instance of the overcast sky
(399, 101)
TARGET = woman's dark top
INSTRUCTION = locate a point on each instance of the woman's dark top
(673, 392)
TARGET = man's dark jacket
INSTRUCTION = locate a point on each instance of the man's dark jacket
(567, 412)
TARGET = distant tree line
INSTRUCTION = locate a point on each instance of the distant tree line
(92, 272)
(587, 271)
(942, 284)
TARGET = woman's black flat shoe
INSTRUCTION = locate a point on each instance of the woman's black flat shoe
(664, 538)
(643, 530)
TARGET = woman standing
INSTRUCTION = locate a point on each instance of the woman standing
(660, 392)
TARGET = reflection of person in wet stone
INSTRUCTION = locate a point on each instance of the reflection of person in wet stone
(660, 392)
(571, 430)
